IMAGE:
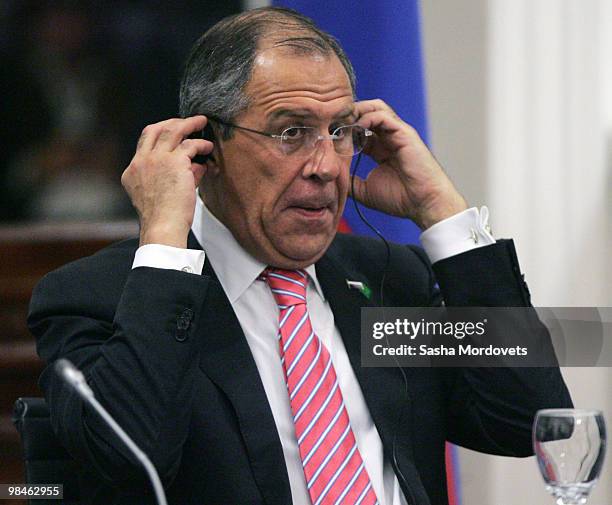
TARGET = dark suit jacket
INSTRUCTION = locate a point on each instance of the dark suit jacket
(164, 352)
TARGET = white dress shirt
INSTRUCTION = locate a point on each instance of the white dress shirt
(257, 313)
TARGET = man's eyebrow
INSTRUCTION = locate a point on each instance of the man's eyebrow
(307, 114)
(350, 111)
(297, 113)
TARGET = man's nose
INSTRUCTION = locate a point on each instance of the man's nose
(324, 162)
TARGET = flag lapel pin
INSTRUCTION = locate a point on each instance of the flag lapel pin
(362, 287)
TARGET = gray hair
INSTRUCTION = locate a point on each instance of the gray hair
(220, 63)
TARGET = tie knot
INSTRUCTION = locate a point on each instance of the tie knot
(288, 286)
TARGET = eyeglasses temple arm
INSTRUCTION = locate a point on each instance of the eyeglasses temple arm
(232, 125)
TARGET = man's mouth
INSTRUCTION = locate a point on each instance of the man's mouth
(310, 211)
(315, 208)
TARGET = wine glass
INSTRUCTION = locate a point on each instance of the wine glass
(570, 445)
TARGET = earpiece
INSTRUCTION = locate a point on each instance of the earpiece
(207, 134)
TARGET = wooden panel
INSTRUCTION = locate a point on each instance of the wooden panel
(26, 254)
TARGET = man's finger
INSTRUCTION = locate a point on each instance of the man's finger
(147, 139)
(174, 131)
(150, 135)
(390, 134)
(193, 147)
(381, 121)
(377, 104)
(169, 131)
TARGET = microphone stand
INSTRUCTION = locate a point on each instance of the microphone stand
(75, 378)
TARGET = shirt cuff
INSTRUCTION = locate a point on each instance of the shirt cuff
(457, 234)
(170, 258)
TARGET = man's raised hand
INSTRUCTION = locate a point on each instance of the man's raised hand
(161, 179)
(408, 181)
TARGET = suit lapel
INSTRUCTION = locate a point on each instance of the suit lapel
(227, 360)
(380, 386)
(383, 388)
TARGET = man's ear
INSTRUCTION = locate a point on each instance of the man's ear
(214, 161)
(207, 134)
(213, 164)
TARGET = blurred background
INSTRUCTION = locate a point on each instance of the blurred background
(80, 80)
(519, 105)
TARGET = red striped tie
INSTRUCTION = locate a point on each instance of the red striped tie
(335, 473)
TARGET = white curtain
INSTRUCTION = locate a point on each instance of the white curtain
(549, 132)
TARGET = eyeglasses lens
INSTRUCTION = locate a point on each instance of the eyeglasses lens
(301, 140)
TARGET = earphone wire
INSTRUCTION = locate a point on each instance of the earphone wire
(383, 278)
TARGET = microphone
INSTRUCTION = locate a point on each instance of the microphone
(75, 379)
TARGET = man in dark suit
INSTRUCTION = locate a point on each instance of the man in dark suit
(178, 332)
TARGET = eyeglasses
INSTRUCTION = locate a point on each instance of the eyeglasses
(348, 140)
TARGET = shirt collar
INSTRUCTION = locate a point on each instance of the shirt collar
(236, 269)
